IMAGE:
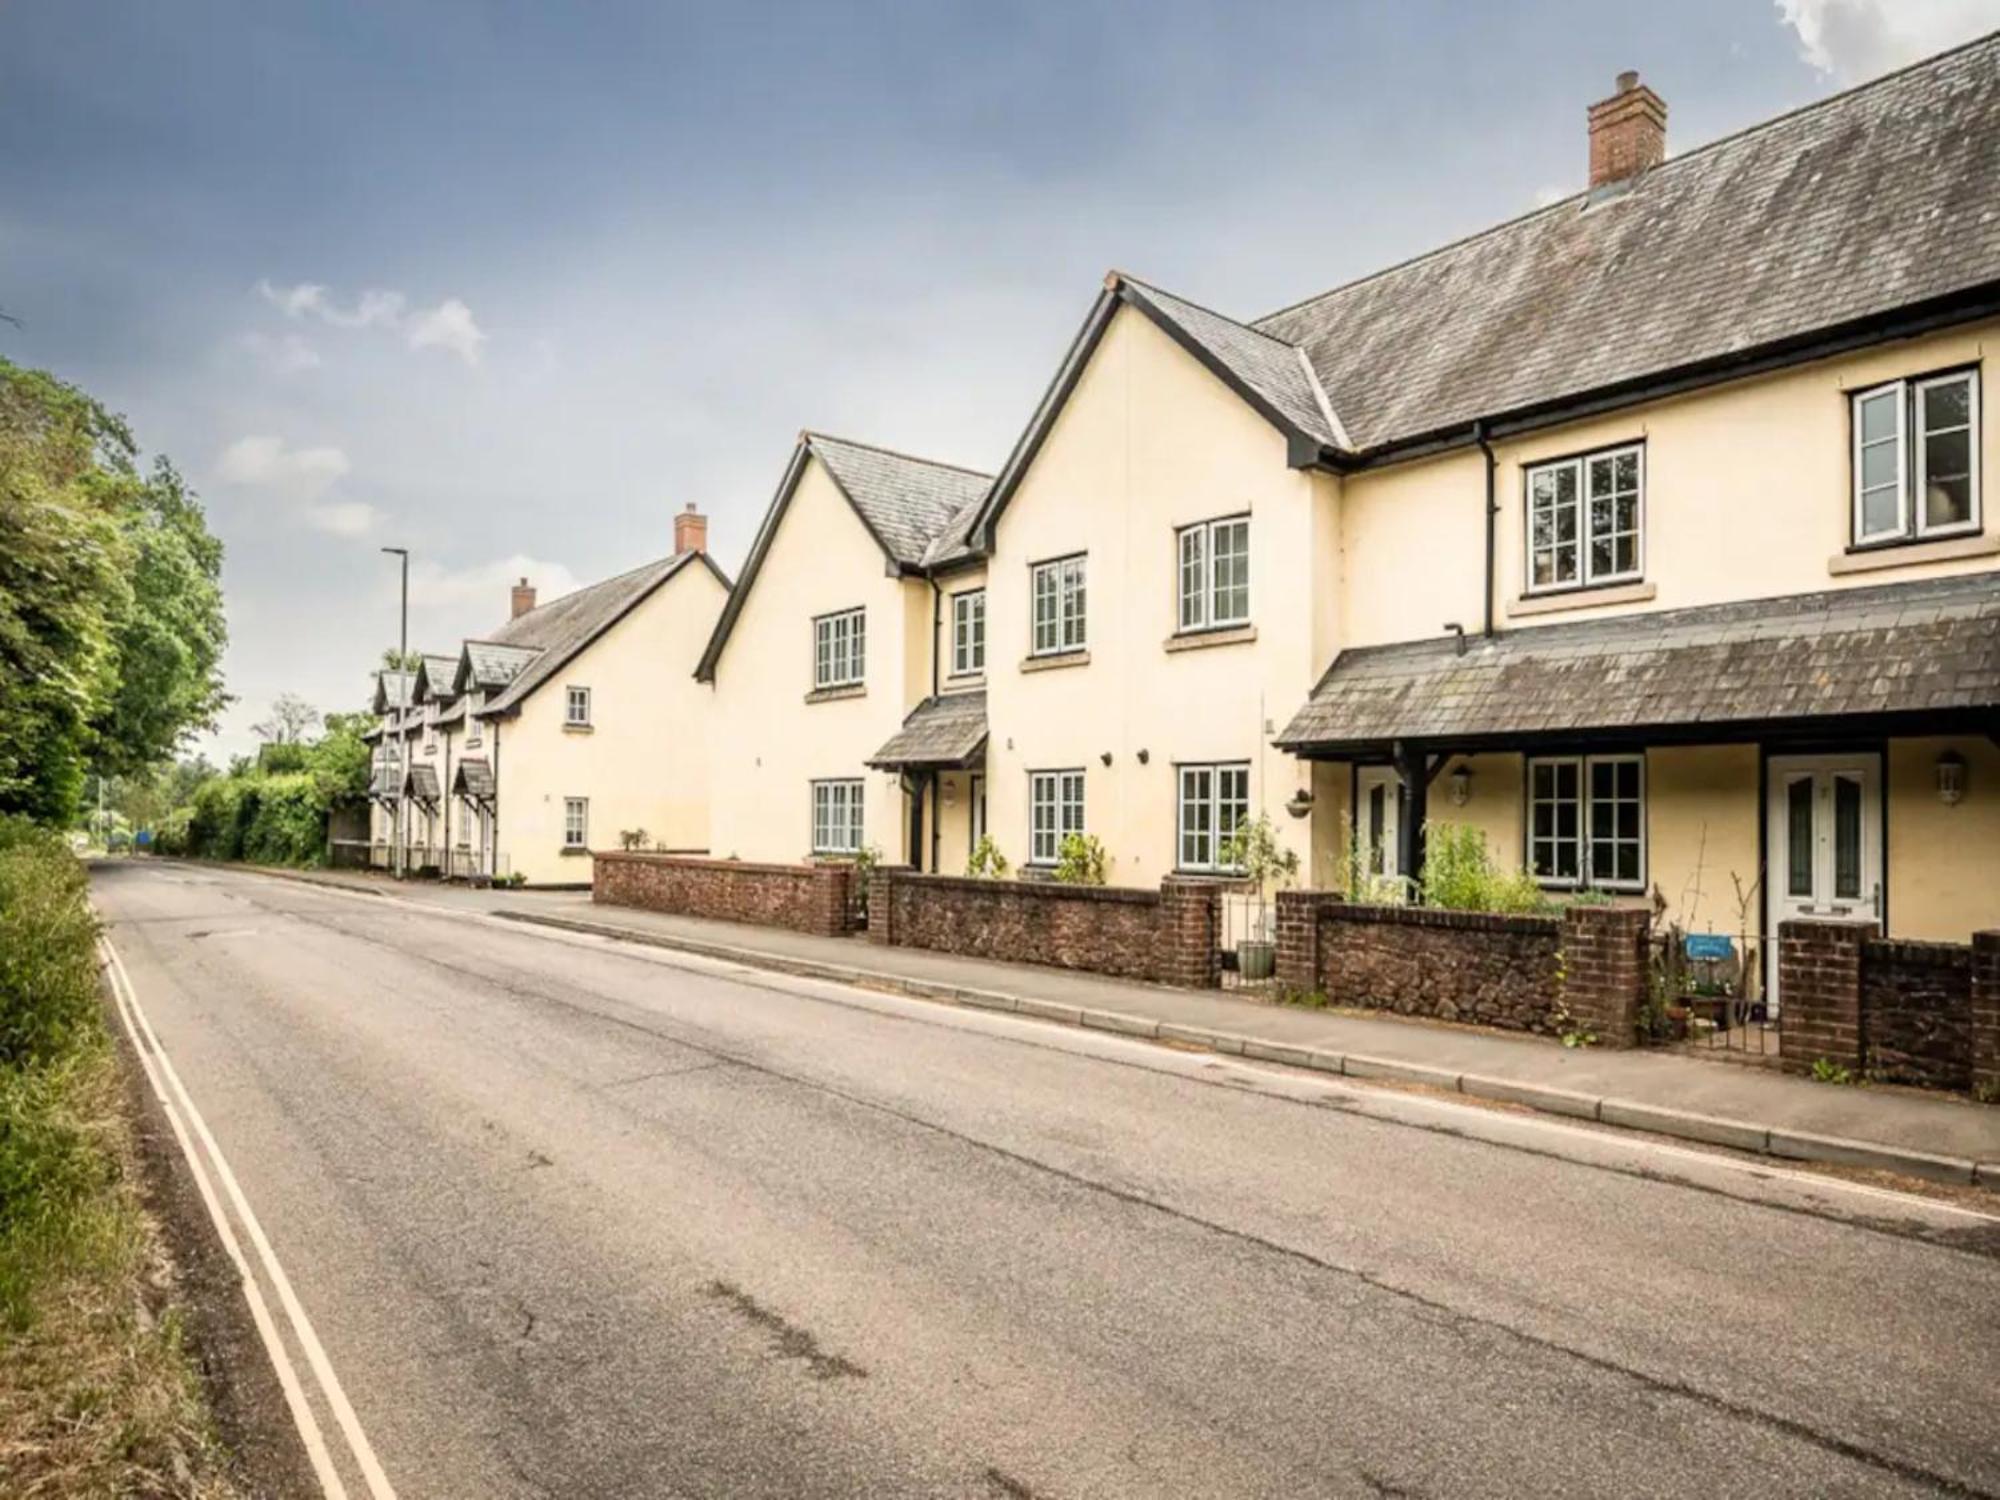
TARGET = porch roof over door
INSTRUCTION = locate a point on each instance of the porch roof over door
(1915, 654)
(943, 732)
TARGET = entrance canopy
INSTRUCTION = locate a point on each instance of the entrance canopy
(421, 785)
(943, 733)
(473, 779)
(1904, 658)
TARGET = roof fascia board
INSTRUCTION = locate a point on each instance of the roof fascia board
(1968, 305)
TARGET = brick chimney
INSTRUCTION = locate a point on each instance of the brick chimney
(524, 599)
(690, 531)
(1628, 132)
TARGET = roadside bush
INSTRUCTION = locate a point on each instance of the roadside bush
(48, 956)
(986, 862)
(1080, 860)
(1459, 875)
(287, 821)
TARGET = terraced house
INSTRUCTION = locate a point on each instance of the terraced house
(576, 724)
(1645, 533)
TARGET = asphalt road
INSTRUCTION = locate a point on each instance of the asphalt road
(572, 1219)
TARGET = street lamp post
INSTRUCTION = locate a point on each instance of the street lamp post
(402, 667)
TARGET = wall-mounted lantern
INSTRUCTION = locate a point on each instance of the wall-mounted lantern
(1105, 757)
(1461, 784)
(1950, 777)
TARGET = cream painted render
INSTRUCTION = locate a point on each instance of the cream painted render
(774, 734)
(1148, 442)
(643, 761)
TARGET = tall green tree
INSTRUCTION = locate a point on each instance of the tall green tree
(111, 625)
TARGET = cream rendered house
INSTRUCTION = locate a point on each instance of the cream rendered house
(1646, 533)
(827, 648)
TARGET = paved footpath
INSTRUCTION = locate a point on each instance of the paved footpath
(1905, 1131)
(582, 1217)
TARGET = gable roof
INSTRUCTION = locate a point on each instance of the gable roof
(1873, 201)
(392, 689)
(536, 645)
(436, 679)
(1926, 647)
(917, 510)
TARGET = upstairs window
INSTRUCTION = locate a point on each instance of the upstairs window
(576, 708)
(1055, 811)
(1584, 520)
(968, 633)
(836, 817)
(1916, 458)
(839, 649)
(1059, 594)
(1215, 574)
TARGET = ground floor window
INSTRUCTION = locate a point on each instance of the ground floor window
(1214, 800)
(576, 822)
(1055, 811)
(1587, 820)
(836, 810)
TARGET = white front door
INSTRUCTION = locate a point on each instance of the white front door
(1825, 855)
(1378, 820)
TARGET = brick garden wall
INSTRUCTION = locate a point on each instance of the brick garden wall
(1167, 936)
(805, 898)
(1515, 972)
(1919, 1013)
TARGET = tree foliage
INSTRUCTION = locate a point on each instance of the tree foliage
(274, 809)
(111, 624)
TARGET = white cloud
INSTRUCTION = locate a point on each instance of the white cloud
(264, 462)
(488, 584)
(343, 517)
(449, 325)
(1852, 40)
(282, 356)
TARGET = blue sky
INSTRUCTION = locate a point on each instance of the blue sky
(509, 284)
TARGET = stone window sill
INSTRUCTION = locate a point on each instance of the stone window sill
(1549, 604)
(579, 728)
(964, 681)
(568, 852)
(830, 694)
(1201, 640)
(1911, 554)
(1055, 661)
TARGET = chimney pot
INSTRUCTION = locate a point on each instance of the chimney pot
(1628, 132)
(523, 600)
(690, 531)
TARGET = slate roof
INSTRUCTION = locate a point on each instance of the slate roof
(907, 502)
(453, 712)
(422, 783)
(387, 785)
(473, 778)
(555, 632)
(436, 678)
(948, 729)
(1874, 200)
(489, 666)
(1931, 646)
(392, 689)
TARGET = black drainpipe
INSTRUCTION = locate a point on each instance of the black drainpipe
(937, 630)
(1492, 515)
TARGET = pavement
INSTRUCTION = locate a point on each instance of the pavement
(576, 1216)
(1906, 1131)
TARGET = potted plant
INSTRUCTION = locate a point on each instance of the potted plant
(1254, 850)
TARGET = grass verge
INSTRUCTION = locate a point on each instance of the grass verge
(98, 1393)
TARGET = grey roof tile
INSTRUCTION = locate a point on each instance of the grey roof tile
(948, 729)
(909, 503)
(1809, 655)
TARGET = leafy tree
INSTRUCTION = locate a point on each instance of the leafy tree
(401, 661)
(291, 720)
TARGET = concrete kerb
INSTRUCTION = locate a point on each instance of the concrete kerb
(1624, 1114)
(1740, 1135)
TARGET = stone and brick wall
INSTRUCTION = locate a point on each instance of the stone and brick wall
(1167, 936)
(804, 898)
(1903, 1012)
(1517, 972)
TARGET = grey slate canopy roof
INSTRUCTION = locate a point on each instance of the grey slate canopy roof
(550, 635)
(943, 731)
(489, 666)
(907, 502)
(1875, 200)
(436, 679)
(1910, 648)
(392, 689)
(473, 778)
(387, 786)
(422, 783)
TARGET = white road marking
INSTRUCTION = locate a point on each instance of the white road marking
(1591, 1146)
(151, 1053)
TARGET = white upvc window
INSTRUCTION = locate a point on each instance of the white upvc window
(840, 648)
(1214, 574)
(968, 633)
(1214, 802)
(576, 707)
(1916, 458)
(1055, 811)
(576, 822)
(1060, 595)
(836, 817)
(1586, 520)
(1587, 821)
